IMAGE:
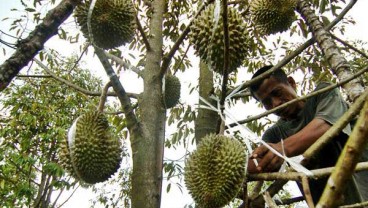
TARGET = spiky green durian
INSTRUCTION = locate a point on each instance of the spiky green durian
(210, 46)
(214, 172)
(93, 153)
(172, 91)
(112, 22)
(272, 16)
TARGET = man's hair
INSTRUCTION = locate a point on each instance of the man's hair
(279, 75)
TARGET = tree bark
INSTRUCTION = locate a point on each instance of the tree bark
(339, 65)
(148, 148)
(29, 47)
(206, 121)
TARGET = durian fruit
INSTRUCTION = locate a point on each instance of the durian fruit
(112, 22)
(92, 153)
(210, 46)
(172, 91)
(214, 172)
(272, 16)
(65, 160)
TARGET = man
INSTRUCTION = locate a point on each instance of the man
(299, 126)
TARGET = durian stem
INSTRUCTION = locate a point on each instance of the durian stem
(307, 192)
(103, 97)
(119, 89)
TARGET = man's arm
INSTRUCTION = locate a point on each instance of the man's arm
(293, 146)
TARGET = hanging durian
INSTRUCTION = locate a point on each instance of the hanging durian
(172, 91)
(92, 154)
(210, 46)
(112, 22)
(215, 171)
(65, 160)
(272, 16)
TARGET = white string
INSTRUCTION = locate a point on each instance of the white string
(89, 15)
(216, 17)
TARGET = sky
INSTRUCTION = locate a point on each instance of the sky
(173, 199)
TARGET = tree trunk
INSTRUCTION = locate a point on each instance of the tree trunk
(206, 121)
(339, 65)
(148, 146)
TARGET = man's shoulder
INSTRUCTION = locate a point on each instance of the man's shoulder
(321, 85)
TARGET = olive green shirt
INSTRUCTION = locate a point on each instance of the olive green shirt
(329, 106)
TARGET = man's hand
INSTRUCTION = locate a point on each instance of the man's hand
(267, 160)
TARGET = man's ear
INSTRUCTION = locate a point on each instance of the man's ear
(292, 82)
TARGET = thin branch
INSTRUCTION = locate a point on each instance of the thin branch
(66, 200)
(29, 47)
(296, 176)
(357, 205)
(103, 97)
(268, 200)
(123, 63)
(330, 87)
(143, 34)
(307, 192)
(181, 60)
(33, 76)
(80, 57)
(76, 87)
(290, 201)
(257, 189)
(119, 89)
(350, 46)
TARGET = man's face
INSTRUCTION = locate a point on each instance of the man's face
(273, 93)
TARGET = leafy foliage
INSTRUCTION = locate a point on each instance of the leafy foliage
(39, 112)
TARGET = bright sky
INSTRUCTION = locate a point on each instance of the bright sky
(173, 199)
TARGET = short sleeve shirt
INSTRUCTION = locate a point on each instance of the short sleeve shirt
(329, 106)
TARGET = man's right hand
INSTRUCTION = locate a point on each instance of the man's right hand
(267, 160)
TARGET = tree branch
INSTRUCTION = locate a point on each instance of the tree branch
(33, 76)
(347, 161)
(143, 34)
(350, 46)
(330, 87)
(29, 47)
(119, 89)
(296, 176)
(76, 87)
(338, 63)
(123, 63)
(335, 129)
(297, 51)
